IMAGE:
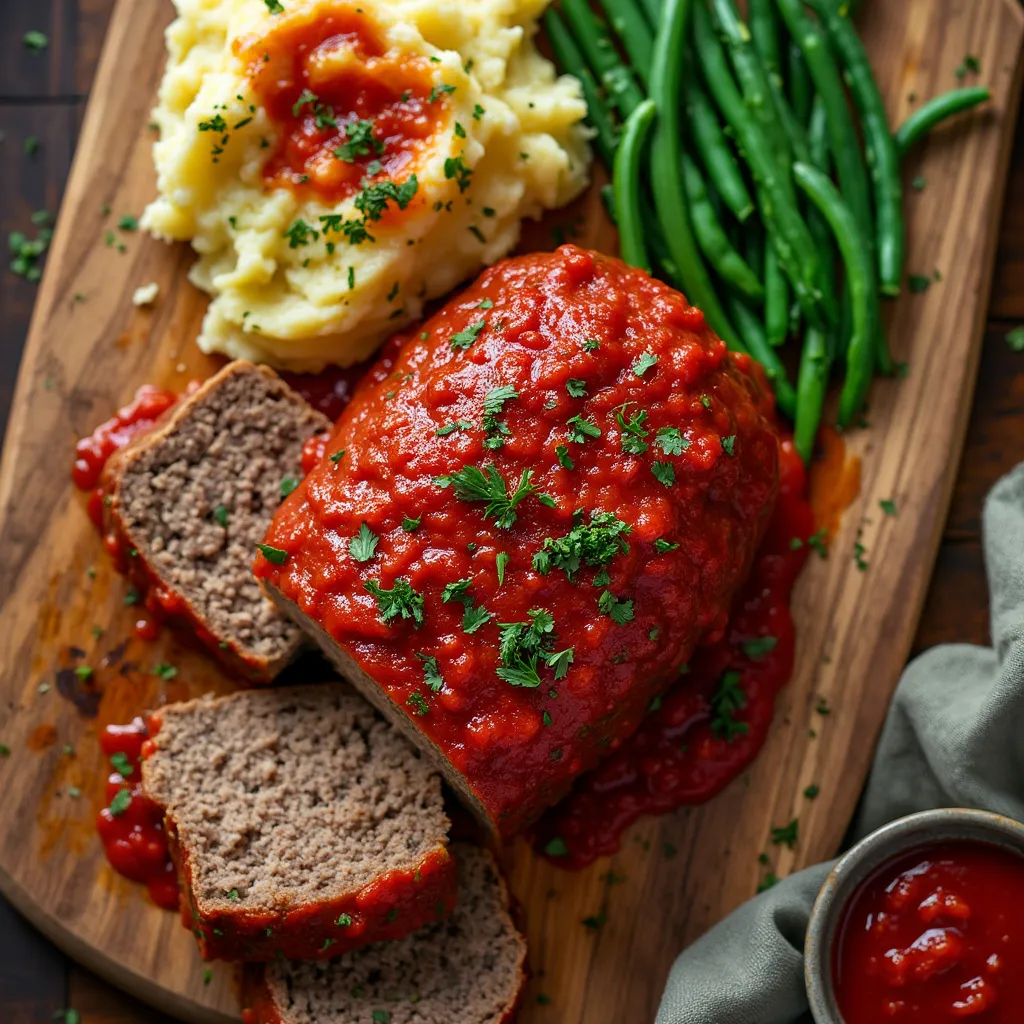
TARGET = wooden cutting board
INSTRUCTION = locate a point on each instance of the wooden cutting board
(89, 348)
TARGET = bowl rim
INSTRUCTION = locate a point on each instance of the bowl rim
(864, 859)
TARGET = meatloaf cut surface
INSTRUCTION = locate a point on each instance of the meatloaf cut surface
(301, 824)
(531, 514)
(467, 969)
(191, 499)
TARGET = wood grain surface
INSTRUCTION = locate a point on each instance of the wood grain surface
(84, 357)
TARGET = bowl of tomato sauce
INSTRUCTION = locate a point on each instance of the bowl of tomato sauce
(922, 922)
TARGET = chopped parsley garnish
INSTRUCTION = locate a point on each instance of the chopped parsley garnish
(888, 506)
(82, 671)
(232, 894)
(596, 921)
(121, 802)
(473, 617)
(363, 545)
(438, 91)
(165, 671)
(120, 763)
(401, 601)
(288, 484)
(970, 64)
(727, 699)
(337, 456)
(664, 473)
(35, 41)
(1015, 339)
(918, 283)
(591, 344)
(494, 404)
(455, 168)
(501, 560)
(576, 388)
(620, 612)
(128, 222)
(919, 183)
(581, 429)
(472, 484)
(274, 6)
(466, 337)
(593, 545)
(729, 445)
(661, 546)
(822, 707)
(478, 112)
(812, 791)
(705, 400)
(361, 142)
(759, 646)
(477, 233)
(450, 428)
(562, 454)
(644, 363)
(371, 203)
(769, 880)
(786, 835)
(300, 233)
(343, 921)
(633, 431)
(671, 441)
(556, 847)
(411, 525)
(460, 132)
(276, 556)
(859, 551)
(418, 703)
(819, 542)
(380, 1017)
(524, 646)
(5, 751)
(431, 672)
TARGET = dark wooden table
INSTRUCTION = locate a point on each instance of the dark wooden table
(43, 95)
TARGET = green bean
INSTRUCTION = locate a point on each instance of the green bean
(860, 354)
(630, 25)
(883, 158)
(801, 88)
(751, 330)
(666, 184)
(714, 151)
(811, 387)
(764, 28)
(754, 247)
(753, 81)
(935, 111)
(597, 46)
(711, 236)
(627, 185)
(776, 300)
(568, 55)
(787, 230)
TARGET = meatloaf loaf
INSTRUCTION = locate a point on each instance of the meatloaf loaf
(517, 537)
(468, 969)
(301, 824)
(189, 500)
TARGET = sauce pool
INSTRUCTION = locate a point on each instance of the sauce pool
(935, 936)
(131, 826)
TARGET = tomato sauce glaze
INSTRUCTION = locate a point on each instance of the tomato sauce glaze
(935, 936)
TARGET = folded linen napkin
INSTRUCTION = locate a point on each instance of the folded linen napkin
(951, 739)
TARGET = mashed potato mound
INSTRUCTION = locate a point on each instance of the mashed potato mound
(323, 227)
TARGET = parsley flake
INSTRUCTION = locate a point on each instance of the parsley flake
(450, 428)
(644, 363)
(274, 6)
(360, 142)
(431, 672)
(288, 484)
(466, 337)
(363, 545)
(418, 703)
(661, 546)
(494, 404)
(121, 802)
(556, 847)
(786, 835)
(501, 560)
(562, 454)
(593, 545)
(581, 429)
(35, 41)
(576, 388)
(620, 612)
(276, 556)
(759, 646)
(888, 506)
(664, 473)
(472, 484)
(401, 601)
(728, 698)
(729, 445)
(165, 671)
(411, 525)
(633, 431)
(671, 441)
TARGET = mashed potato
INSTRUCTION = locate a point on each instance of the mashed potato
(337, 163)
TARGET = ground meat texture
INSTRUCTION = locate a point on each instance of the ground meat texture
(189, 501)
(610, 504)
(303, 825)
(467, 969)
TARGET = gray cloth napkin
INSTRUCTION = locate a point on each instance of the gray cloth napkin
(951, 739)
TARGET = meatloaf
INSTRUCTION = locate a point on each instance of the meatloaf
(301, 824)
(517, 536)
(468, 969)
(189, 500)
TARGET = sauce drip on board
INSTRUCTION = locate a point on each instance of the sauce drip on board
(346, 108)
(935, 936)
(131, 826)
(711, 723)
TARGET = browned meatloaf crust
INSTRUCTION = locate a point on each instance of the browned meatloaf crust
(468, 969)
(302, 824)
(192, 498)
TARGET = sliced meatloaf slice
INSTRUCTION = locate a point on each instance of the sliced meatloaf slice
(302, 825)
(467, 969)
(191, 499)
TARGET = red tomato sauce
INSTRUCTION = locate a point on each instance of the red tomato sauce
(549, 327)
(691, 745)
(132, 829)
(935, 936)
(316, 76)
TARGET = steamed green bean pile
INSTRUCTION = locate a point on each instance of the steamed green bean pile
(754, 169)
